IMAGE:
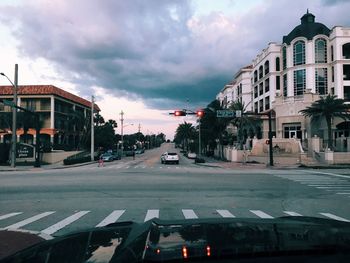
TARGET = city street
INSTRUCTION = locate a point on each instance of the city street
(58, 201)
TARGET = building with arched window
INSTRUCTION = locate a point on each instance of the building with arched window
(311, 61)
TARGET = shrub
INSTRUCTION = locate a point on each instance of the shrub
(199, 160)
(69, 161)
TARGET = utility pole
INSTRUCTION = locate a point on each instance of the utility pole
(270, 138)
(92, 129)
(121, 131)
(14, 119)
(139, 127)
(199, 137)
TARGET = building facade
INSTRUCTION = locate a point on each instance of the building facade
(63, 116)
(312, 61)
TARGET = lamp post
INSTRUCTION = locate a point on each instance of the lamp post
(122, 126)
(14, 116)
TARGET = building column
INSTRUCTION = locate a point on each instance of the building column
(34, 139)
(52, 113)
(52, 138)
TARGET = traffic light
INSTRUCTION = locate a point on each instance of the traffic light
(200, 113)
(179, 113)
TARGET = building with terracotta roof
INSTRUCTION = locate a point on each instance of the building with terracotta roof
(64, 116)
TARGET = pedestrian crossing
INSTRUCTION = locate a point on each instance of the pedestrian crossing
(45, 225)
(339, 185)
(128, 166)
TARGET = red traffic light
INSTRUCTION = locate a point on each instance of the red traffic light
(200, 113)
(179, 113)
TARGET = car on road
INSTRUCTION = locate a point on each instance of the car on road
(191, 155)
(107, 157)
(169, 158)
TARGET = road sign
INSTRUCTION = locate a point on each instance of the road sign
(225, 114)
(9, 103)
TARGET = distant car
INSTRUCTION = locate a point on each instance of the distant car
(169, 158)
(191, 156)
(107, 157)
(116, 155)
(139, 151)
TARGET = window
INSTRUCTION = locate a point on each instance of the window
(321, 81)
(346, 72)
(299, 53)
(278, 82)
(284, 57)
(332, 74)
(261, 72)
(255, 76)
(299, 82)
(347, 93)
(320, 51)
(292, 130)
(255, 91)
(285, 90)
(278, 68)
(256, 107)
(267, 85)
(267, 67)
(267, 103)
(346, 51)
(261, 88)
(332, 53)
(261, 105)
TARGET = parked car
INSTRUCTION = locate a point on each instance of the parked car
(169, 158)
(191, 156)
(116, 155)
(107, 157)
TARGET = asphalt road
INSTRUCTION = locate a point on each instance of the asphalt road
(59, 201)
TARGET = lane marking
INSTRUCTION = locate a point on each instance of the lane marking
(225, 213)
(29, 220)
(61, 224)
(152, 213)
(291, 213)
(334, 217)
(343, 193)
(111, 218)
(332, 174)
(189, 214)
(331, 187)
(10, 215)
(260, 214)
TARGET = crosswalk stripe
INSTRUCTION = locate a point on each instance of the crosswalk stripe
(189, 214)
(29, 220)
(10, 215)
(61, 224)
(152, 213)
(260, 214)
(111, 218)
(292, 213)
(343, 193)
(335, 217)
(225, 213)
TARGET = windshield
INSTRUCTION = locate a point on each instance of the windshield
(114, 111)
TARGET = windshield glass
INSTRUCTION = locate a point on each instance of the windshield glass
(115, 111)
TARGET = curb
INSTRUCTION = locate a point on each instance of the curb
(47, 168)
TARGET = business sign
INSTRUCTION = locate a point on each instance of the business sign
(25, 151)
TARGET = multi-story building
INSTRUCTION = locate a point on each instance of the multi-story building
(63, 116)
(312, 61)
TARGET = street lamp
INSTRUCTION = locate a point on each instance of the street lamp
(122, 126)
(14, 116)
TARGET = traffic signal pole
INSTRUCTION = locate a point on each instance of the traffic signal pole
(270, 138)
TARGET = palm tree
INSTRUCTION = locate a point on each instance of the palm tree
(184, 132)
(246, 124)
(327, 108)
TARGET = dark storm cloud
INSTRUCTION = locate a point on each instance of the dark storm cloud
(155, 50)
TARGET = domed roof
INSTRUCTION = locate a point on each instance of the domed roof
(308, 29)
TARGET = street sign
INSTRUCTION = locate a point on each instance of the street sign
(225, 114)
(25, 151)
(9, 103)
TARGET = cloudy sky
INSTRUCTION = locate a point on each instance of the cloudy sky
(146, 57)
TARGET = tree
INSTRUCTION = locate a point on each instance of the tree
(247, 124)
(184, 132)
(327, 108)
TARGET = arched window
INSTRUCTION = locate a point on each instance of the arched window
(284, 57)
(299, 53)
(267, 67)
(255, 76)
(346, 51)
(261, 72)
(320, 51)
(278, 68)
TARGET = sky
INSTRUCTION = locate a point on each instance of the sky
(146, 58)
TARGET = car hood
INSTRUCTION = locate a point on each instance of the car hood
(159, 240)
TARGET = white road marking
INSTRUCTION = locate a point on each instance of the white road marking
(225, 213)
(343, 193)
(335, 217)
(260, 214)
(10, 215)
(189, 214)
(332, 174)
(331, 187)
(61, 224)
(111, 218)
(152, 213)
(29, 220)
(292, 213)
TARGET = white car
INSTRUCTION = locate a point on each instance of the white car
(169, 158)
(191, 156)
